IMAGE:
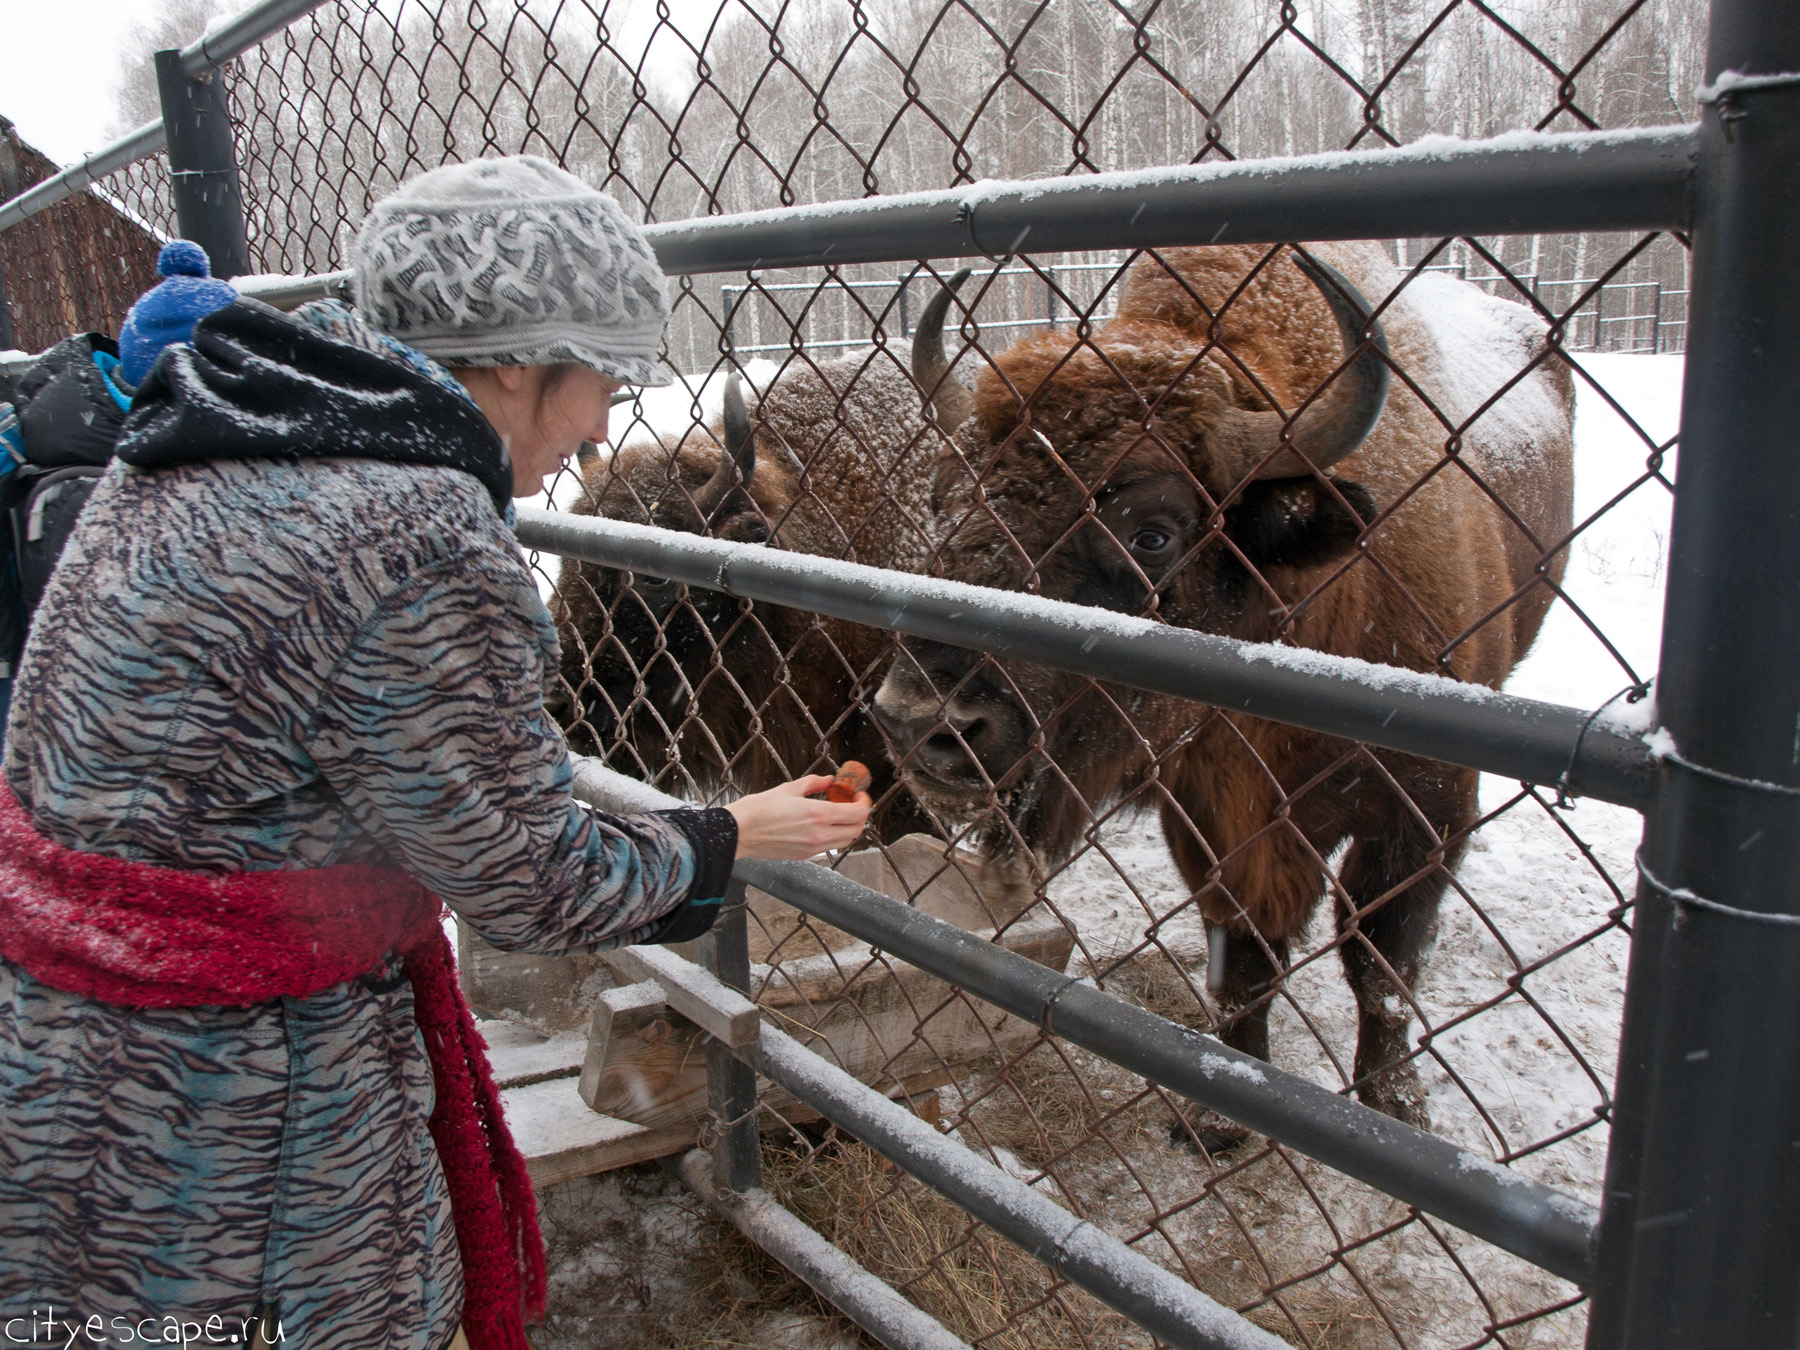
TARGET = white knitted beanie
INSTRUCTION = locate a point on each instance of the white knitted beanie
(512, 262)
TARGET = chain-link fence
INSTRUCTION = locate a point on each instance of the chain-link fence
(1486, 426)
(1213, 869)
(77, 266)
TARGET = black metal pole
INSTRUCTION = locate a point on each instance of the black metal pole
(730, 1083)
(8, 337)
(1700, 1229)
(209, 206)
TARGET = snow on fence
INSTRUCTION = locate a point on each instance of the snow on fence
(1046, 789)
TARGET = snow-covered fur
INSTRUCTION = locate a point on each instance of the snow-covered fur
(845, 460)
(1429, 547)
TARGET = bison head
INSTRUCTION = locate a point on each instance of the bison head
(835, 468)
(627, 647)
(1147, 470)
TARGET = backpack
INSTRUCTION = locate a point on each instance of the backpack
(56, 439)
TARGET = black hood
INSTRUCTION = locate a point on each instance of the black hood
(66, 413)
(257, 384)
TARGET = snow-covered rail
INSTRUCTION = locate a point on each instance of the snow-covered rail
(1519, 738)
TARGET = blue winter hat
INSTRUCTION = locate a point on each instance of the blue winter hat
(168, 311)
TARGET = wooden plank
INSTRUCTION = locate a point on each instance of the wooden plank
(693, 992)
(519, 1055)
(561, 1138)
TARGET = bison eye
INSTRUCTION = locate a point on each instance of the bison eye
(1151, 541)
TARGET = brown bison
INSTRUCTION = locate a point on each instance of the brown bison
(657, 678)
(1230, 454)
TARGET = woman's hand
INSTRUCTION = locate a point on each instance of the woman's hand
(786, 823)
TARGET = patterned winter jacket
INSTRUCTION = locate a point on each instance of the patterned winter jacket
(294, 630)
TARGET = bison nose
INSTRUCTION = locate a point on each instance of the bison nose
(962, 727)
(902, 713)
(928, 732)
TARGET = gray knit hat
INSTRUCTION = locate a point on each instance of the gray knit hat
(512, 262)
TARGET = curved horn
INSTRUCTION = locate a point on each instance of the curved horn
(738, 466)
(950, 402)
(1336, 423)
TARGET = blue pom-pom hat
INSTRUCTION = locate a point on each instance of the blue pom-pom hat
(167, 312)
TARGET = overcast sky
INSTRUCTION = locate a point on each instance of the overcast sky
(61, 64)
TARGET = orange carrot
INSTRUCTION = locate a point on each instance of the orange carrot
(851, 779)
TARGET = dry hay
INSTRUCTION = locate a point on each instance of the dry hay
(637, 1262)
(977, 1284)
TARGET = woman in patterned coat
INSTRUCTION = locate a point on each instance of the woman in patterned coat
(294, 631)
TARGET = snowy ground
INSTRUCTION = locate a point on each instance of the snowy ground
(1502, 1080)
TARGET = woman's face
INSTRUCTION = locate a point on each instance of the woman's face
(569, 409)
(541, 414)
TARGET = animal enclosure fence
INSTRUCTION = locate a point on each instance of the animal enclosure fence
(1520, 1162)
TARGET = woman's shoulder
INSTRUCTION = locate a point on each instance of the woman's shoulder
(346, 532)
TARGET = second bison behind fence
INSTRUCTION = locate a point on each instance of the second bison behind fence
(840, 463)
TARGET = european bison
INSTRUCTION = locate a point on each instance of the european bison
(655, 675)
(1146, 471)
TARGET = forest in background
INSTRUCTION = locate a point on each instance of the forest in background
(733, 105)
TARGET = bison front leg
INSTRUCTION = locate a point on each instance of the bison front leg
(1395, 877)
(1253, 967)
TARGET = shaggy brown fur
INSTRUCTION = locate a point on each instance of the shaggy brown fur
(750, 698)
(1095, 458)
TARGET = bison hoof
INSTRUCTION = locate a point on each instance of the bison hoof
(1398, 1092)
(1207, 1132)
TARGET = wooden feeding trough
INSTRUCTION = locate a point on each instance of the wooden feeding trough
(642, 1071)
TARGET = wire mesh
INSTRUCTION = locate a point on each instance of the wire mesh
(77, 266)
(1450, 949)
(1103, 833)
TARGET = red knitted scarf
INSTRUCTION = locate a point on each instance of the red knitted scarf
(154, 937)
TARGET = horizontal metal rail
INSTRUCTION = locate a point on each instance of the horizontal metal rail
(1544, 1226)
(1423, 715)
(871, 1303)
(1083, 1253)
(90, 169)
(228, 39)
(222, 42)
(1522, 183)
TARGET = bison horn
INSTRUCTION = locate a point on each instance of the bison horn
(738, 466)
(950, 402)
(1245, 443)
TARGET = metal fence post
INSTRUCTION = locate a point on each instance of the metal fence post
(203, 174)
(8, 337)
(730, 1083)
(1700, 1229)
